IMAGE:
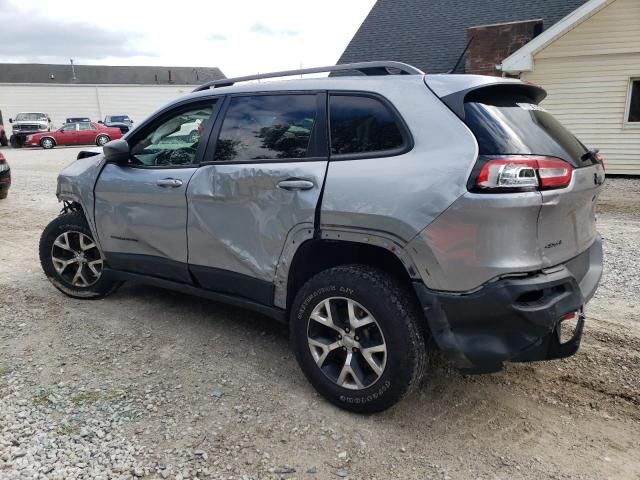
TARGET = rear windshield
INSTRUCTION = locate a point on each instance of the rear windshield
(121, 119)
(512, 123)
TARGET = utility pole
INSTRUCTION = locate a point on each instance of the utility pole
(73, 71)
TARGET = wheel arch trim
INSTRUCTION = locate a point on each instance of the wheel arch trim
(73, 198)
(302, 233)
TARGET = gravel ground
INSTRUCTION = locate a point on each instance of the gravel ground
(155, 384)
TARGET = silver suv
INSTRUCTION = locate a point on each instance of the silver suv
(381, 215)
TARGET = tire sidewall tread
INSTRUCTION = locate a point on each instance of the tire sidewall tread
(399, 318)
(67, 222)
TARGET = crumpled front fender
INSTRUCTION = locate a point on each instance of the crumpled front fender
(75, 184)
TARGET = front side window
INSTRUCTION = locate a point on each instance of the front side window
(174, 142)
(71, 127)
(266, 127)
(362, 124)
(634, 102)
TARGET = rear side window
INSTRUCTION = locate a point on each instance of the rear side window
(267, 127)
(362, 124)
(506, 122)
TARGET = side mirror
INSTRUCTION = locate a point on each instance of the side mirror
(117, 151)
(11, 120)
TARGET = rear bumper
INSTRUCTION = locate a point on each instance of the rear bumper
(513, 319)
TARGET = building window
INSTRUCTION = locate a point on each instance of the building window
(633, 114)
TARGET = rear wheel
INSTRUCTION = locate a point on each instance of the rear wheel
(358, 338)
(101, 140)
(47, 143)
(71, 259)
(4, 193)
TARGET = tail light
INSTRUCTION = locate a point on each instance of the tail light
(514, 173)
(600, 159)
(4, 166)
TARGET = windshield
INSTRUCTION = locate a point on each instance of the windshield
(118, 118)
(31, 117)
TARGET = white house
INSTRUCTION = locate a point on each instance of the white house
(94, 90)
(589, 63)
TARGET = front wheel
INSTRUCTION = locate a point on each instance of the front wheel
(47, 143)
(71, 259)
(358, 337)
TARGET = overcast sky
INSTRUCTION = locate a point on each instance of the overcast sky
(238, 36)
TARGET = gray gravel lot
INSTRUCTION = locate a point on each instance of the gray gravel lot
(154, 384)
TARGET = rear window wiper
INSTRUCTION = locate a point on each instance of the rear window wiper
(591, 154)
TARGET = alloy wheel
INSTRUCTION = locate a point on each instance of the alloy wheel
(47, 143)
(347, 343)
(76, 258)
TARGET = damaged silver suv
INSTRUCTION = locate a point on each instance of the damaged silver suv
(382, 215)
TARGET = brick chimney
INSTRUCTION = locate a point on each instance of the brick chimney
(493, 43)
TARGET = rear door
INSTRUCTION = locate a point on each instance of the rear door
(141, 207)
(86, 133)
(262, 177)
(508, 121)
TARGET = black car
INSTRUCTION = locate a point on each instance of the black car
(123, 122)
(5, 177)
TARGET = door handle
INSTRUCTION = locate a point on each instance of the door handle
(295, 184)
(169, 182)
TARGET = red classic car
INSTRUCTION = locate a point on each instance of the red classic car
(78, 133)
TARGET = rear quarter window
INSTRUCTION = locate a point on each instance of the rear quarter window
(361, 124)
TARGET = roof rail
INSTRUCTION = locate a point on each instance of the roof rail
(367, 68)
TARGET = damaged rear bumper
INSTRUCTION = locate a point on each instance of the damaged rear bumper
(514, 319)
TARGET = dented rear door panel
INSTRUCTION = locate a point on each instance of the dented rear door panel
(239, 218)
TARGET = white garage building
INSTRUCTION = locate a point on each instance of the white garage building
(94, 90)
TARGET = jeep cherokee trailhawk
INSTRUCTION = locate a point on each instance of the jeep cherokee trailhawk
(381, 215)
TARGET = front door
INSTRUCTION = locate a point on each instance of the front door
(68, 135)
(260, 179)
(141, 207)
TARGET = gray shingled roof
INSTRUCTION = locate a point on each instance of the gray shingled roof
(104, 74)
(431, 34)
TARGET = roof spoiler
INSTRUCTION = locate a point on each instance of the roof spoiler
(366, 68)
(455, 101)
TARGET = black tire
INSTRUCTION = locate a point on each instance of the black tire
(399, 319)
(4, 193)
(3, 140)
(73, 222)
(101, 140)
(47, 145)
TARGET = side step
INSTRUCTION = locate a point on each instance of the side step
(276, 313)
